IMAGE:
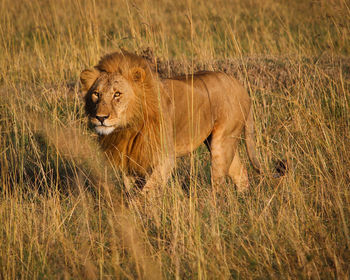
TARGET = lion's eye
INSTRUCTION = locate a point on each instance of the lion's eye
(117, 94)
(97, 94)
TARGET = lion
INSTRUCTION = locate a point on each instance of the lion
(146, 122)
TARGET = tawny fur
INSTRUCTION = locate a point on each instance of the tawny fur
(168, 118)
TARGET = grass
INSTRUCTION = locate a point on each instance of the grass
(63, 212)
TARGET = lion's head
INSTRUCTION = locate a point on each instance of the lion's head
(118, 92)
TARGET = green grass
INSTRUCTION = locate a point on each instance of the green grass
(63, 212)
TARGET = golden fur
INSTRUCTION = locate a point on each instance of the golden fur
(146, 122)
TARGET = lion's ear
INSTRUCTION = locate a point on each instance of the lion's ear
(88, 77)
(137, 74)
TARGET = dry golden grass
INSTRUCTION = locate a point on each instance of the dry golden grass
(63, 212)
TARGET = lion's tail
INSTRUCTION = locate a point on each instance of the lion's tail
(250, 141)
(280, 166)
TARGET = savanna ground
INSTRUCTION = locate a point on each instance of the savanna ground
(63, 212)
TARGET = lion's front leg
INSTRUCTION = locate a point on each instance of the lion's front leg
(160, 175)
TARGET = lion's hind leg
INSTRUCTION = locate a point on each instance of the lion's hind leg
(222, 149)
(238, 173)
(226, 160)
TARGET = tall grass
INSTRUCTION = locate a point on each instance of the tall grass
(63, 211)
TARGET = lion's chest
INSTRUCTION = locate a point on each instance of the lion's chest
(130, 152)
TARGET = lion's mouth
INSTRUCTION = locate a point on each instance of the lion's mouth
(104, 129)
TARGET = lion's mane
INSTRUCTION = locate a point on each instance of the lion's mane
(134, 148)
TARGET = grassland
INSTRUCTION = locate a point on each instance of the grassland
(63, 212)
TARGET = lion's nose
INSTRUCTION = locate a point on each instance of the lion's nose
(102, 118)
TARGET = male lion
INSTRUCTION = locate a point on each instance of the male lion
(145, 122)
